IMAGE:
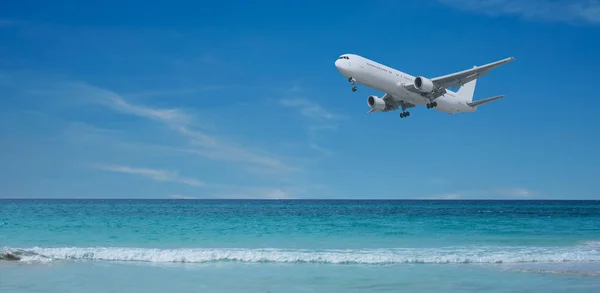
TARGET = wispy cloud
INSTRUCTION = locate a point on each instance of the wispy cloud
(321, 149)
(154, 174)
(517, 192)
(570, 11)
(183, 124)
(258, 164)
(256, 193)
(180, 134)
(179, 196)
(493, 193)
(455, 195)
(318, 119)
(168, 116)
(310, 109)
(177, 92)
(9, 22)
(291, 190)
(243, 192)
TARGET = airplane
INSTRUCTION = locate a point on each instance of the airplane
(404, 91)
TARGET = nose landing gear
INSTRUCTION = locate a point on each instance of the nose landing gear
(352, 80)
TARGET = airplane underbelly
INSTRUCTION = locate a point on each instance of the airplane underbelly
(412, 97)
(445, 108)
(444, 105)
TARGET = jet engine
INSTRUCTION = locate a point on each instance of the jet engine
(376, 103)
(423, 84)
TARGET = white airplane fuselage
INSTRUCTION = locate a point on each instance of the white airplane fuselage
(389, 80)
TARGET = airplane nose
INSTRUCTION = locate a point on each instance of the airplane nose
(338, 63)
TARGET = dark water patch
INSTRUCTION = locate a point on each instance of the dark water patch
(9, 256)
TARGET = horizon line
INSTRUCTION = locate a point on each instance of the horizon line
(305, 199)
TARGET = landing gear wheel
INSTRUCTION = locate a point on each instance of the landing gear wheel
(404, 114)
(351, 81)
(431, 105)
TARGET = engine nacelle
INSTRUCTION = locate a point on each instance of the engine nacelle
(423, 84)
(376, 103)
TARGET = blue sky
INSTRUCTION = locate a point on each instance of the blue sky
(242, 100)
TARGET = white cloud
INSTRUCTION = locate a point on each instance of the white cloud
(168, 116)
(446, 196)
(179, 196)
(154, 174)
(224, 191)
(263, 164)
(517, 192)
(182, 123)
(315, 129)
(570, 11)
(176, 92)
(318, 119)
(309, 109)
(494, 193)
(8, 22)
(256, 193)
(185, 133)
(320, 149)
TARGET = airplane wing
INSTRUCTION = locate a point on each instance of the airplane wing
(462, 77)
(459, 78)
(392, 103)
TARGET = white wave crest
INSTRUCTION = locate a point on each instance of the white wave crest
(365, 256)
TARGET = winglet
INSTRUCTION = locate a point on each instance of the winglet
(484, 101)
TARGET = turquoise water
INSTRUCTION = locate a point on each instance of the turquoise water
(299, 246)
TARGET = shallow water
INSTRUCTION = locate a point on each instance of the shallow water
(300, 246)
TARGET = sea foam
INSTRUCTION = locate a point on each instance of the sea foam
(473, 254)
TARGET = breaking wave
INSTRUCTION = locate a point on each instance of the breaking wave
(589, 252)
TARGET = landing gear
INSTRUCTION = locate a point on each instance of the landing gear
(352, 80)
(404, 112)
(431, 105)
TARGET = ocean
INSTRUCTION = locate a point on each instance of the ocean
(299, 246)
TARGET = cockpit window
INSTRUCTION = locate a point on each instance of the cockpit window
(344, 57)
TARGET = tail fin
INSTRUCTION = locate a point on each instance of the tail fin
(467, 90)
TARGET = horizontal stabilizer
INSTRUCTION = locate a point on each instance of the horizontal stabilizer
(484, 101)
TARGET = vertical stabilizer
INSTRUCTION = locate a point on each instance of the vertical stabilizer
(467, 90)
